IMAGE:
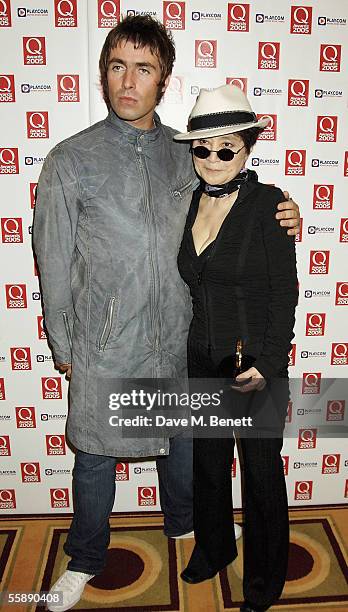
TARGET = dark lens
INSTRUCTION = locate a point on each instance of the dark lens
(201, 152)
(225, 154)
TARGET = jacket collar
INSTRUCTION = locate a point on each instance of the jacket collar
(133, 134)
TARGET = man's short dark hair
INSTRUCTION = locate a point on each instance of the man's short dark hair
(249, 137)
(142, 31)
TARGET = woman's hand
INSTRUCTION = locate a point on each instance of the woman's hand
(257, 382)
(289, 215)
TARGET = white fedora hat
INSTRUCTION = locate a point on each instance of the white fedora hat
(220, 111)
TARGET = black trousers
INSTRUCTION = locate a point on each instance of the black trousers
(266, 523)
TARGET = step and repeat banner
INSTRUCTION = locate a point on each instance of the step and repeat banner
(291, 60)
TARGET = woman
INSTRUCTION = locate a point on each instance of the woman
(241, 270)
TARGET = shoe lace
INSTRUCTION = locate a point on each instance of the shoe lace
(71, 581)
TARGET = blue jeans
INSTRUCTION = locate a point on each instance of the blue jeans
(94, 494)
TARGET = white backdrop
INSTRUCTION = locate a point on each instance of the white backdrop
(292, 61)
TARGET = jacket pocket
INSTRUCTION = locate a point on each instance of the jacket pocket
(108, 322)
(181, 189)
(67, 327)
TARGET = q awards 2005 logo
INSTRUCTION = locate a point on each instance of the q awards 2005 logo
(16, 296)
(20, 358)
(5, 14)
(344, 230)
(330, 58)
(108, 13)
(319, 262)
(326, 128)
(25, 417)
(59, 498)
(34, 50)
(174, 15)
(335, 410)
(304, 490)
(37, 124)
(331, 464)
(7, 88)
(315, 324)
(122, 471)
(41, 332)
(339, 353)
(269, 54)
(55, 444)
(298, 92)
(323, 197)
(5, 446)
(307, 438)
(341, 294)
(301, 20)
(295, 162)
(68, 87)
(146, 496)
(31, 472)
(205, 53)
(270, 132)
(7, 499)
(65, 13)
(238, 17)
(9, 161)
(11, 230)
(311, 383)
(51, 388)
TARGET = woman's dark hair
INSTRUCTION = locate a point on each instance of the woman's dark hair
(142, 31)
(249, 137)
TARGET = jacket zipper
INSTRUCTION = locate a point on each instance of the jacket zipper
(107, 325)
(67, 328)
(146, 182)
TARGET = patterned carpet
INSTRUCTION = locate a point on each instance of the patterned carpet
(143, 565)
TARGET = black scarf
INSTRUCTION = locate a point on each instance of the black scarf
(221, 191)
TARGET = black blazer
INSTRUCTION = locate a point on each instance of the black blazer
(245, 285)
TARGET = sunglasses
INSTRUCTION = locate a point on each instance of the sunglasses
(223, 154)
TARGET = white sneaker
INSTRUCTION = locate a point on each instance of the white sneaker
(237, 531)
(70, 585)
(184, 536)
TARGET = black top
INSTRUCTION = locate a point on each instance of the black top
(244, 284)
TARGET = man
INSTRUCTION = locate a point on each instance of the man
(111, 207)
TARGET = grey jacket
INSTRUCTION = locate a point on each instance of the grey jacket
(111, 206)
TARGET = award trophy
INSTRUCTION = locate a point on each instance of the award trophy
(233, 365)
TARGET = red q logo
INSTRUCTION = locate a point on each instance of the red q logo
(311, 383)
(7, 88)
(9, 161)
(326, 129)
(108, 13)
(37, 125)
(65, 13)
(16, 296)
(34, 50)
(330, 58)
(298, 92)
(295, 162)
(2, 389)
(285, 460)
(335, 410)
(323, 197)
(5, 447)
(315, 324)
(51, 388)
(11, 230)
(301, 20)
(345, 167)
(303, 489)
(146, 496)
(68, 87)
(33, 189)
(341, 294)
(7, 499)
(269, 53)
(344, 230)
(173, 10)
(59, 498)
(25, 417)
(331, 464)
(238, 17)
(319, 262)
(205, 53)
(20, 358)
(339, 353)
(270, 132)
(30, 472)
(55, 445)
(5, 14)
(122, 471)
(240, 82)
